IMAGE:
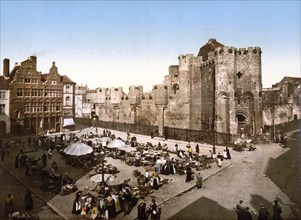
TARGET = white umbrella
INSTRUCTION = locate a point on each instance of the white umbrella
(98, 177)
(105, 139)
(116, 143)
(78, 149)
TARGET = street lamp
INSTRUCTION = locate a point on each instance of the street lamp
(103, 182)
(213, 126)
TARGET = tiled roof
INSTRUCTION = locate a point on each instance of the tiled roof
(292, 80)
(213, 43)
(210, 46)
(66, 79)
(43, 77)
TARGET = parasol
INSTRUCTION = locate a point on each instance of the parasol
(116, 143)
(98, 177)
(78, 149)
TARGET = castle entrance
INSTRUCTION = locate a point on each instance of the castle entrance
(243, 127)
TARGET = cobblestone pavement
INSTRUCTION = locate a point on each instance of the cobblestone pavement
(241, 178)
(246, 179)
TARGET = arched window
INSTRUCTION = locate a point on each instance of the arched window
(175, 87)
(67, 89)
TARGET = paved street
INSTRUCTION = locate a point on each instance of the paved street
(246, 177)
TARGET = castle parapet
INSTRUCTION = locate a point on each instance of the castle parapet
(160, 94)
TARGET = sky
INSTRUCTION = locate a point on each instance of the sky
(132, 43)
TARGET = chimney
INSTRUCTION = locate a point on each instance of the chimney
(6, 67)
(33, 59)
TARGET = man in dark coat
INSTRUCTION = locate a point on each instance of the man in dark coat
(263, 213)
(247, 214)
(17, 161)
(197, 148)
(228, 153)
(154, 210)
(28, 201)
(141, 210)
(44, 159)
(276, 211)
(188, 174)
(240, 210)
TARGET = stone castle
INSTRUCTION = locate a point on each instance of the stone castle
(219, 89)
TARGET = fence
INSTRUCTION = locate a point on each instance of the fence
(207, 137)
(283, 127)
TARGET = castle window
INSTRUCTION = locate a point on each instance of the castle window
(238, 102)
(175, 87)
(239, 75)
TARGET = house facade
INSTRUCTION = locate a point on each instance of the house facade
(36, 102)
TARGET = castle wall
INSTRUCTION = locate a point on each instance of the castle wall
(222, 90)
(280, 114)
(178, 114)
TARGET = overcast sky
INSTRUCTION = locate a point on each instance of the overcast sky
(124, 43)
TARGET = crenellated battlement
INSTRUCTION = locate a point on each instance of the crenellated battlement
(160, 94)
(237, 51)
(207, 63)
(185, 61)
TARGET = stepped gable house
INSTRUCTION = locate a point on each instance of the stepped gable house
(38, 102)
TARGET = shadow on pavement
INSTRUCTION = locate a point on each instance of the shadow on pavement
(202, 209)
(257, 200)
(284, 171)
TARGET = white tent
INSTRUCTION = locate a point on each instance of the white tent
(78, 149)
(116, 143)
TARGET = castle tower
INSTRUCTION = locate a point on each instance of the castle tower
(238, 90)
(161, 100)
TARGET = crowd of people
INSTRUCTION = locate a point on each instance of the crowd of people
(112, 201)
(243, 212)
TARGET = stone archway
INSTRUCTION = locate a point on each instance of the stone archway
(242, 120)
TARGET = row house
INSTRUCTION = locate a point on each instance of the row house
(4, 107)
(38, 102)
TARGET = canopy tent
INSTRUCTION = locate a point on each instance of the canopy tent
(68, 122)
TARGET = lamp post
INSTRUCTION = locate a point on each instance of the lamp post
(213, 126)
(103, 182)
